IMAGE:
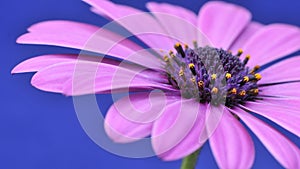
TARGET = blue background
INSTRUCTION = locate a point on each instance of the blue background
(39, 130)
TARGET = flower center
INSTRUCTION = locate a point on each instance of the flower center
(212, 75)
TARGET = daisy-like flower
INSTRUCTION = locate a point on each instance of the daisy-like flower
(218, 76)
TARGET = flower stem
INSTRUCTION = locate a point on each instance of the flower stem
(190, 161)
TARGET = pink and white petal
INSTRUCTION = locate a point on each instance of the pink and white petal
(279, 146)
(37, 63)
(283, 116)
(173, 127)
(191, 142)
(287, 90)
(148, 30)
(247, 33)
(271, 43)
(86, 77)
(290, 103)
(40, 62)
(179, 22)
(131, 117)
(222, 22)
(231, 144)
(87, 37)
(287, 70)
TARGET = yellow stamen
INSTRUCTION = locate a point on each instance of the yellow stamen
(215, 90)
(181, 73)
(242, 93)
(191, 66)
(233, 91)
(228, 75)
(193, 80)
(246, 79)
(257, 76)
(248, 57)
(166, 58)
(240, 52)
(177, 45)
(213, 76)
(255, 69)
(195, 43)
(186, 46)
(201, 84)
(171, 52)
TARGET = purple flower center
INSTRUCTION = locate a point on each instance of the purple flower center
(212, 75)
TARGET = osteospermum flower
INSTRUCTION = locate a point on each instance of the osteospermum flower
(213, 77)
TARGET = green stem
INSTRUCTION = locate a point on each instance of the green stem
(190, 161)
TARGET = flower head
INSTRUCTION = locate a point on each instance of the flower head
(210, 67)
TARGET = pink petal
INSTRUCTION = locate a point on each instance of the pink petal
(190, 143)
(279, 146)
(222, 22)
(231, 144)
(149, 30)
(283, 116)
(89, 38)
(176, 134)
(86, 77)
(290, 90)
(289, 71)
(179, 22)
(289, 103)
(131, 117)
(272, 42)
(247, 33)
(37, 63)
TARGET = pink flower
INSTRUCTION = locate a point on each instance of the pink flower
(197, 90)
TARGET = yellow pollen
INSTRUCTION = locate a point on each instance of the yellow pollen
(257, 76)
(242, 93)
(193, 80)
(195, 43)
(201, 84)
(166, 58)
(171, 52)
(177, 45)
(233, 91)
(246, 79)
(213, 76)
(256, 91)
(191, 65)
(228, 75)
(186, 46)
(248, 57)
(181, 73)
(255, 69)
(215, 90)
(240, 51)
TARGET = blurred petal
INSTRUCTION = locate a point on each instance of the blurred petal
(89, 38)
(85, 77)
(280, 147)
(283, 116)
(243, 38)
(131, 117)
(179, 22)
(173, 128)
(272, 42)
(222, 22)
(288, 90)
(148, 29)
(231, 144)
(287, 70)
(190, 143)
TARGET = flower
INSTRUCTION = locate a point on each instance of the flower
(208, 87)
